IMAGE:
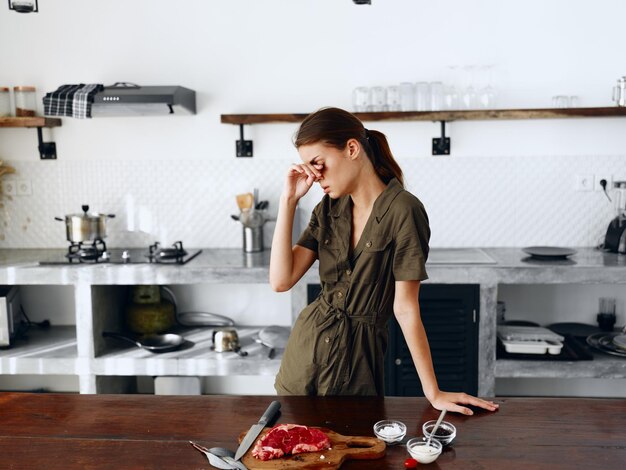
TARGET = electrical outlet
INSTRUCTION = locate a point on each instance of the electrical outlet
(9, 187)
(583, 183)
(603, 176)
(24, 187)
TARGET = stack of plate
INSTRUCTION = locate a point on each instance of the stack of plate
(610, 343)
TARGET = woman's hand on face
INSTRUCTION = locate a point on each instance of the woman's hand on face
(452, 402)
(300, 178)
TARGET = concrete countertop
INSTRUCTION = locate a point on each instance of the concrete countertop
(231, 265)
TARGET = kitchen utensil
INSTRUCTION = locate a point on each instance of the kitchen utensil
(434, 430)
(574, 329)
(549, 252)
(225, 340)
(256, 429)
(215, 460)
(447, 431)
(152, 343)
(342, 448)
(85, 227)
(273, 337)
(203, 319)
(245, 201)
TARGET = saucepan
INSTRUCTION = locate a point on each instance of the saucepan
(226, 339)
(153, 343)
(85, 227)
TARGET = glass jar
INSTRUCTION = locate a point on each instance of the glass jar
(5, 102)
(25, 102)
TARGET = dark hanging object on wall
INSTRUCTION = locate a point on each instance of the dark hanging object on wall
(24, 6)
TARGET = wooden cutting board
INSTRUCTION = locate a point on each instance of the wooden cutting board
(342, 448)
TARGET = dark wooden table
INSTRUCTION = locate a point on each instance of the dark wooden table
(50, 431)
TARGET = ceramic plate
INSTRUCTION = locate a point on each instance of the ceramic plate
(549, 252)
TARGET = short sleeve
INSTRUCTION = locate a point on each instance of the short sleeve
(310, 236)
(411, 245)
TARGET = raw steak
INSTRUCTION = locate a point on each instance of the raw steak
(288, 439)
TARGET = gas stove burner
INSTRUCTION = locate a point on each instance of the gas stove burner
(83, 252)
(174, 254)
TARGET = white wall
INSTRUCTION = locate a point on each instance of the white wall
(507, 183)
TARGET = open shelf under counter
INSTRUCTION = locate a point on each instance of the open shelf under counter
(602, 366)
(195, 358)
(51, 351)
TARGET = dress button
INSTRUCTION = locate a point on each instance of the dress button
(348, 272)
(368, 244)
(327, 340)
(340, 294)
(326, 242)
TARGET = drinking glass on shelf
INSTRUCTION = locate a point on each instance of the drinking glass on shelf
(560, 101)
(486, 93)
(393, 98)
(574, 101)
(407, 100)
(468, 95)
(361, 99)
(422, 96)
(377, 99)
(436, 96)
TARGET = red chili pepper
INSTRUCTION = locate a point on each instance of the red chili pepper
(410, 463)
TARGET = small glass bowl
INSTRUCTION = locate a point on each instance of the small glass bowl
(390, 431)
(428, 426)
(418, 446)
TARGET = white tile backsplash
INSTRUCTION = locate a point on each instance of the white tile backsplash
(471, 201)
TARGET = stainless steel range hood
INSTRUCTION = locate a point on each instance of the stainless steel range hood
(124, 99)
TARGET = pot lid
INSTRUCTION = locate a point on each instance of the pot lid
(275, 336)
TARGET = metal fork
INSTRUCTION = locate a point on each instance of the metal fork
(222, 462)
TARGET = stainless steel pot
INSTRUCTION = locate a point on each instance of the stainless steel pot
(85, 227)
(227, 340)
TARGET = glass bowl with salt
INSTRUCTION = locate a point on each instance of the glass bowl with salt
(390, 430)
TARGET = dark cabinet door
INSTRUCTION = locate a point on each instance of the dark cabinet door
(450, 317)
(450, 314)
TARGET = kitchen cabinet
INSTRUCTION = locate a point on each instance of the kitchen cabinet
(99, 296)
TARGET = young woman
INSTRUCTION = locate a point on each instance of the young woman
(371, 238)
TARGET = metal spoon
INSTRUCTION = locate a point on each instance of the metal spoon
(434, 430)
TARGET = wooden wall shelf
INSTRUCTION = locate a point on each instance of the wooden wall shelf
(441, 146)
(36, 121)
(448, 116)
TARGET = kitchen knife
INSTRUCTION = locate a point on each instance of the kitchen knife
(256, 429)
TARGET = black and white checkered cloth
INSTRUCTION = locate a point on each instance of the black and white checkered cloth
(71, 100)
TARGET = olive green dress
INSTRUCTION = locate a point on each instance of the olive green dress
(338, 342)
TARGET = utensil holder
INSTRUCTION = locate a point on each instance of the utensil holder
(252, 239)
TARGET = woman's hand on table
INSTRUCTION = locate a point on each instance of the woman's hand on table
(453, 402)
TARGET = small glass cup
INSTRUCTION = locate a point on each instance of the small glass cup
(560, 101)
(407, 100)
(390, 431)
(445, 433)
(393, 98)
(378, 99)
(436, 96)
(25, 101)
(422, 96)
(423, 450)
(574, 101)
(361, 99)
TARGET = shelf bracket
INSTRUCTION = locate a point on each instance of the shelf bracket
(47, 150)
(244, 147)
(441, 146)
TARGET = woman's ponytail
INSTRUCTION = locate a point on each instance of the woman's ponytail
(380, 154)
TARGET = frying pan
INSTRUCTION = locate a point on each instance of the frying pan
(152, 343)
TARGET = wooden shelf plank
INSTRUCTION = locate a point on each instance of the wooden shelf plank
(464, 115)
(602, 366)
(37, 121)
